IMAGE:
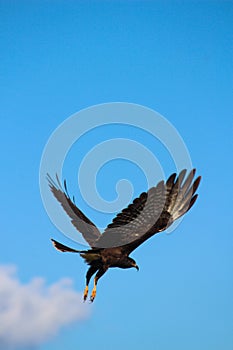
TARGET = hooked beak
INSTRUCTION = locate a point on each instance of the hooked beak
(136, 267)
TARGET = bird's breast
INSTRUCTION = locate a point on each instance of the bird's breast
(111, 256)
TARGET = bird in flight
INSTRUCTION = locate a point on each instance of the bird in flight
(152, 212)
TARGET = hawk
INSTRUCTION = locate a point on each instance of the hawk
(152, 212)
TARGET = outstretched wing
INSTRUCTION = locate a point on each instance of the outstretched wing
(88, 230)
(151, 212)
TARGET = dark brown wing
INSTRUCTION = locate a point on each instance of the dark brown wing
(151, 212)
(88, 230)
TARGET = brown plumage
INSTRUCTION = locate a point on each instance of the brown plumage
(152, 212)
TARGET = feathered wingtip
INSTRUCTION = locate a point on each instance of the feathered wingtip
(58, 186)
(185, 194)
(53, 183)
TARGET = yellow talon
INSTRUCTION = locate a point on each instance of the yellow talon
(85, 293)
(93, 294)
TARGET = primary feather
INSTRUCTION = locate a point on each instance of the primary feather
(87, 228)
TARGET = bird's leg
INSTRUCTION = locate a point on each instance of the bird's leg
(99, 274)
(85, 294)
(93, 293)
(90, 273)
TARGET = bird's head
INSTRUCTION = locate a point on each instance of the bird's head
(133, 263)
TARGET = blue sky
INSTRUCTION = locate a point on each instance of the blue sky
(174, 57)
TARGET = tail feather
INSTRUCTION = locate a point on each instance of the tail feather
(64, 248)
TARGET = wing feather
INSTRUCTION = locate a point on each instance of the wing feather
(151, 212)
(85, 226)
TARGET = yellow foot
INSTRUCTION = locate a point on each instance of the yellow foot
(93, 294)
(85, 294)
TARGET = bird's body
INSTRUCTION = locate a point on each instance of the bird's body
(150, 213)
(100, 260)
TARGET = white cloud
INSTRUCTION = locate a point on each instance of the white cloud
(32, 313)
